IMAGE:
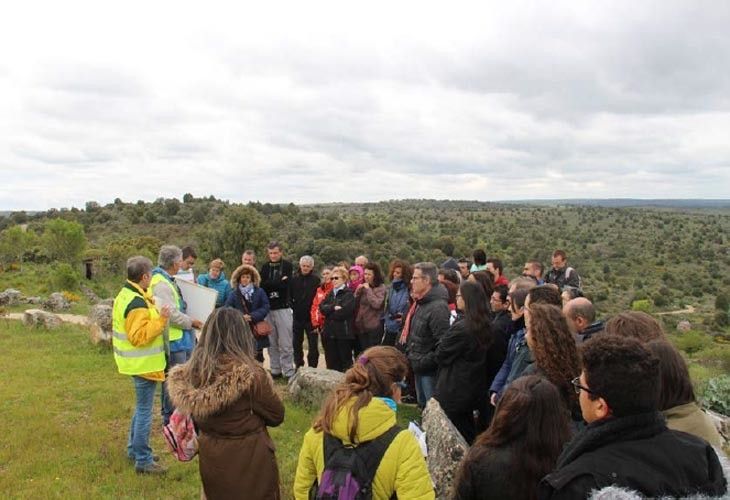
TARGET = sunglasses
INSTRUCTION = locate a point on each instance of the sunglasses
(333, 278)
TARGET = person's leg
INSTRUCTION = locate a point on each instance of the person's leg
(464, 423)
(428, 387)
(175, 358)
(374, 337)
(286, 346)
(274, 361)
(330, 352)
(389, 338)
(298, 339)
(312, 344)
(142, 421)
(419, 392)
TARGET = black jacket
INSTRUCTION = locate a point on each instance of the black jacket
(275, 287)
(566, 276)
(488, 477)
(637, 452)
(466, 369)
(502, 322)
(429, 322)
(339, 324)
(302, 290)
(590, 331)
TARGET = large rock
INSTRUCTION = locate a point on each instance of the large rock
(311, 386)
(722, 424)
(684, 326)
(32, 300)
(10, 297)
(56, 302)
(107, 302)
(92, 297)
(100, 321)
(446, 447)
(41, 319)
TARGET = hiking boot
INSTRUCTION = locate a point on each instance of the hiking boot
(153, 469)
(155, 458)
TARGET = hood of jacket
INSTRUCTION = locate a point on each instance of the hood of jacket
(373, 420)
(220, 279)
(232, 380)
(237, 275)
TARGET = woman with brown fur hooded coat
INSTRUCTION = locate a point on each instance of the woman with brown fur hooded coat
(231, 398)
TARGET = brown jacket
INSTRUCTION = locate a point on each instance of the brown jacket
(370, 305)
(236, 453)
(691, 419)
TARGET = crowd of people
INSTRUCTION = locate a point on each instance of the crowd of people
(554, 402)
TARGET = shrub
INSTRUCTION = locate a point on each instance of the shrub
(692, 342)
(65, 277)
(717, 394)
(71, 297)
(641, 305)
(660, 300)
(721, 318)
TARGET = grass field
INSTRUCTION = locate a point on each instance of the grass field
(65, 416)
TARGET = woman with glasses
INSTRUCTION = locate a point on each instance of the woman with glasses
(469, 356)
(520, 447)
(338, 332)
(361, 410)
(554, 352)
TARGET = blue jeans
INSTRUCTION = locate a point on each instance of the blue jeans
(138, 444)
(425, 386)
(176, 358)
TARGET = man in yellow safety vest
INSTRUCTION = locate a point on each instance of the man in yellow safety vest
(139, 351)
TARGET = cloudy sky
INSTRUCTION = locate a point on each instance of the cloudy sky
(363, 101)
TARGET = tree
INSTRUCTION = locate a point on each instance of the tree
(242, 228)
(187, 198)
(64, 240)
(722, 302)
(13, 243)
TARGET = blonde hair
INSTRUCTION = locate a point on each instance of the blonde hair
(216, 264)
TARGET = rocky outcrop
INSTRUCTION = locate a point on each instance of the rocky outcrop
(722, 424)
(56, 302)
(446, 447)
(100, 323)
(684, 326)
(32, 300)
(90, 295)
(38, 318)
(10, 297)
(310, 386)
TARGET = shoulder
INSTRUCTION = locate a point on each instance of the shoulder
(136, 303)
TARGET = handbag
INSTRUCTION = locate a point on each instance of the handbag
(261, 329)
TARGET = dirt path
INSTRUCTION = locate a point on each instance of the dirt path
(687, 310)
(76, 319)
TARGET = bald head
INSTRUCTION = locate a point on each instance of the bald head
(580, 313)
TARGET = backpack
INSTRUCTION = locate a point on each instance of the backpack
(349, 471)
(181, 437)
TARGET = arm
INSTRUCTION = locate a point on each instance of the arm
(438, 322)
(347, 303)
(163, 296)
(374, 297)
(141, 329)
(266, 403)
(412, 479)
(202, 280)
(261, 301)
(573, 279)
(306, 473)
(578, 487)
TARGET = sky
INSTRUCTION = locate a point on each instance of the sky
(312, 102)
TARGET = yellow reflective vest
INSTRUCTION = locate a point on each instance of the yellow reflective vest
(133, 360)
(176, 333)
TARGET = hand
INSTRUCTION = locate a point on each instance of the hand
(493, 399)
(360, 286)
(247, 317)
(166, 311)
(284, 278)
(337, 308)
(197, 324)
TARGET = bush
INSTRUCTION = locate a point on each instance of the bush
(717, 394)
(721, 318)
(641, 305)
(692, 341)
(660, 300)
(65, 277)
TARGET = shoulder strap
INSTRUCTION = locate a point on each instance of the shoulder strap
(375, 450)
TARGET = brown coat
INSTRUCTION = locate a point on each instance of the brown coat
(370, 302)
(236, 454)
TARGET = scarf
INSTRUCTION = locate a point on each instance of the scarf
(407, 324)
(246, 291)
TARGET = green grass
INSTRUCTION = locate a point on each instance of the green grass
(65, 415)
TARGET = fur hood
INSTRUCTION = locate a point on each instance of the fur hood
(232, 380)
(237, 274)
(617, 493)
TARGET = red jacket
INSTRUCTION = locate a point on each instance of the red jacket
(316, 316)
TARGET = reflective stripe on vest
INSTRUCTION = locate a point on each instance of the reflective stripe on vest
(176, 333)
(133, 360)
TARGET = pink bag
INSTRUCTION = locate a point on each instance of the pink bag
(181, 437)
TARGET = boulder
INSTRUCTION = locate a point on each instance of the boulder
(32, 300)
(10, 297)
(106, 302)
(446, 447)
(90, 295)
(722, 424)
(41, 319)
(310, 386)
(684, 326)
(56, 302)
(100, 321)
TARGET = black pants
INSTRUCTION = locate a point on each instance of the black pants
(368, 339)
(338, 354)
(464, 423)
(302, 328)
(390, 338)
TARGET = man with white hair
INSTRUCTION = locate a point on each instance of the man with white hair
(361, 261)
(303, 288)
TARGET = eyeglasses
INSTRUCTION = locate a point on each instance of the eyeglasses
(577, 387)
(333, 278)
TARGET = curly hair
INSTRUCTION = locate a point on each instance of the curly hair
(554, 349)
(373, 375)
(405, 268)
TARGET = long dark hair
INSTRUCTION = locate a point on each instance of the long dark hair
(486, 280)
(554, 349)
(377, 273)
(676, 384)
(531, 420)
(476, 314)
(373, 375)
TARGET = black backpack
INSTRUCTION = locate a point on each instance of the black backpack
(349, 470)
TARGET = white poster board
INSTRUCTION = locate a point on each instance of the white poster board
(199, 299)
